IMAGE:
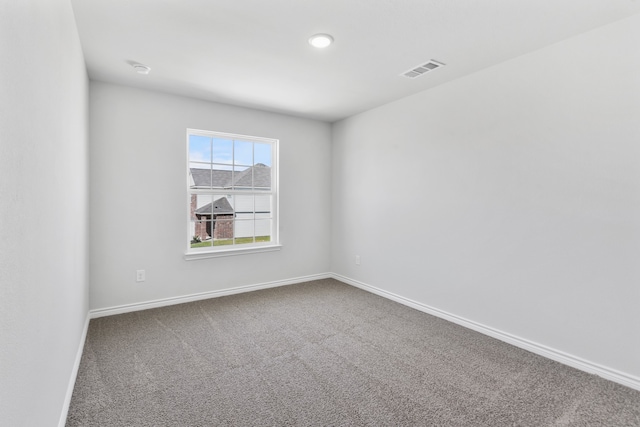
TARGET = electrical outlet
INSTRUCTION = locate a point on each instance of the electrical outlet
(141, 276)
(357, 259)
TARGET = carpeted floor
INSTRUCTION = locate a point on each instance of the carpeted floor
(324, 353)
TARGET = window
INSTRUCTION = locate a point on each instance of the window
(232, 194)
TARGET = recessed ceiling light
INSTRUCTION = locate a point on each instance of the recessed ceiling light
(141, 69)
(320, 40)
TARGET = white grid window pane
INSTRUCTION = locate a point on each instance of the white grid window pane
(231, 197)
(222, 152)
(263, 228)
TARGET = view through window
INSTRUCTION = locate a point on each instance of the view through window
(232, 191)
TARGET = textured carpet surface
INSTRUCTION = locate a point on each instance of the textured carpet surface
(324, 353)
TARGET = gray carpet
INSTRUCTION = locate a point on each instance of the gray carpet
(324, 353)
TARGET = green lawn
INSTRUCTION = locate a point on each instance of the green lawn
(224, 242)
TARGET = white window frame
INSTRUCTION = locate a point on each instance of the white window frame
(229, 250)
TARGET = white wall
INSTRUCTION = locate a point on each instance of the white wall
(139, 196)
(43, 208)
(525, 180)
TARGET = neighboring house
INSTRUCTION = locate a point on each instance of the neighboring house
(213, 216)
(220, 211)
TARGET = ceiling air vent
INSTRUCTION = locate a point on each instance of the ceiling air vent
(423, 69)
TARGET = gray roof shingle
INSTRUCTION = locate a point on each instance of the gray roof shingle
(218, 207)
(207, 178)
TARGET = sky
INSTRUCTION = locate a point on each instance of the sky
(222, 153)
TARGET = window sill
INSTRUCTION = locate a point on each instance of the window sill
(190, 256)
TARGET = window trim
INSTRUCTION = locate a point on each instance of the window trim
(249, 248)
(190, 256)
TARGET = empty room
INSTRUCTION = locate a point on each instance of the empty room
(319, 213)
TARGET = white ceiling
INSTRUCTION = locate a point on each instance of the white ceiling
(255, 53)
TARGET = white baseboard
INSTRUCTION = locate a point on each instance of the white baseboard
(542, 350)
(127, 308)
(74, 375)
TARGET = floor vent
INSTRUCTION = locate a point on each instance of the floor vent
(423, 69)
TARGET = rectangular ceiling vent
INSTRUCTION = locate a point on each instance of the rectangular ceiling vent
(423, 69)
